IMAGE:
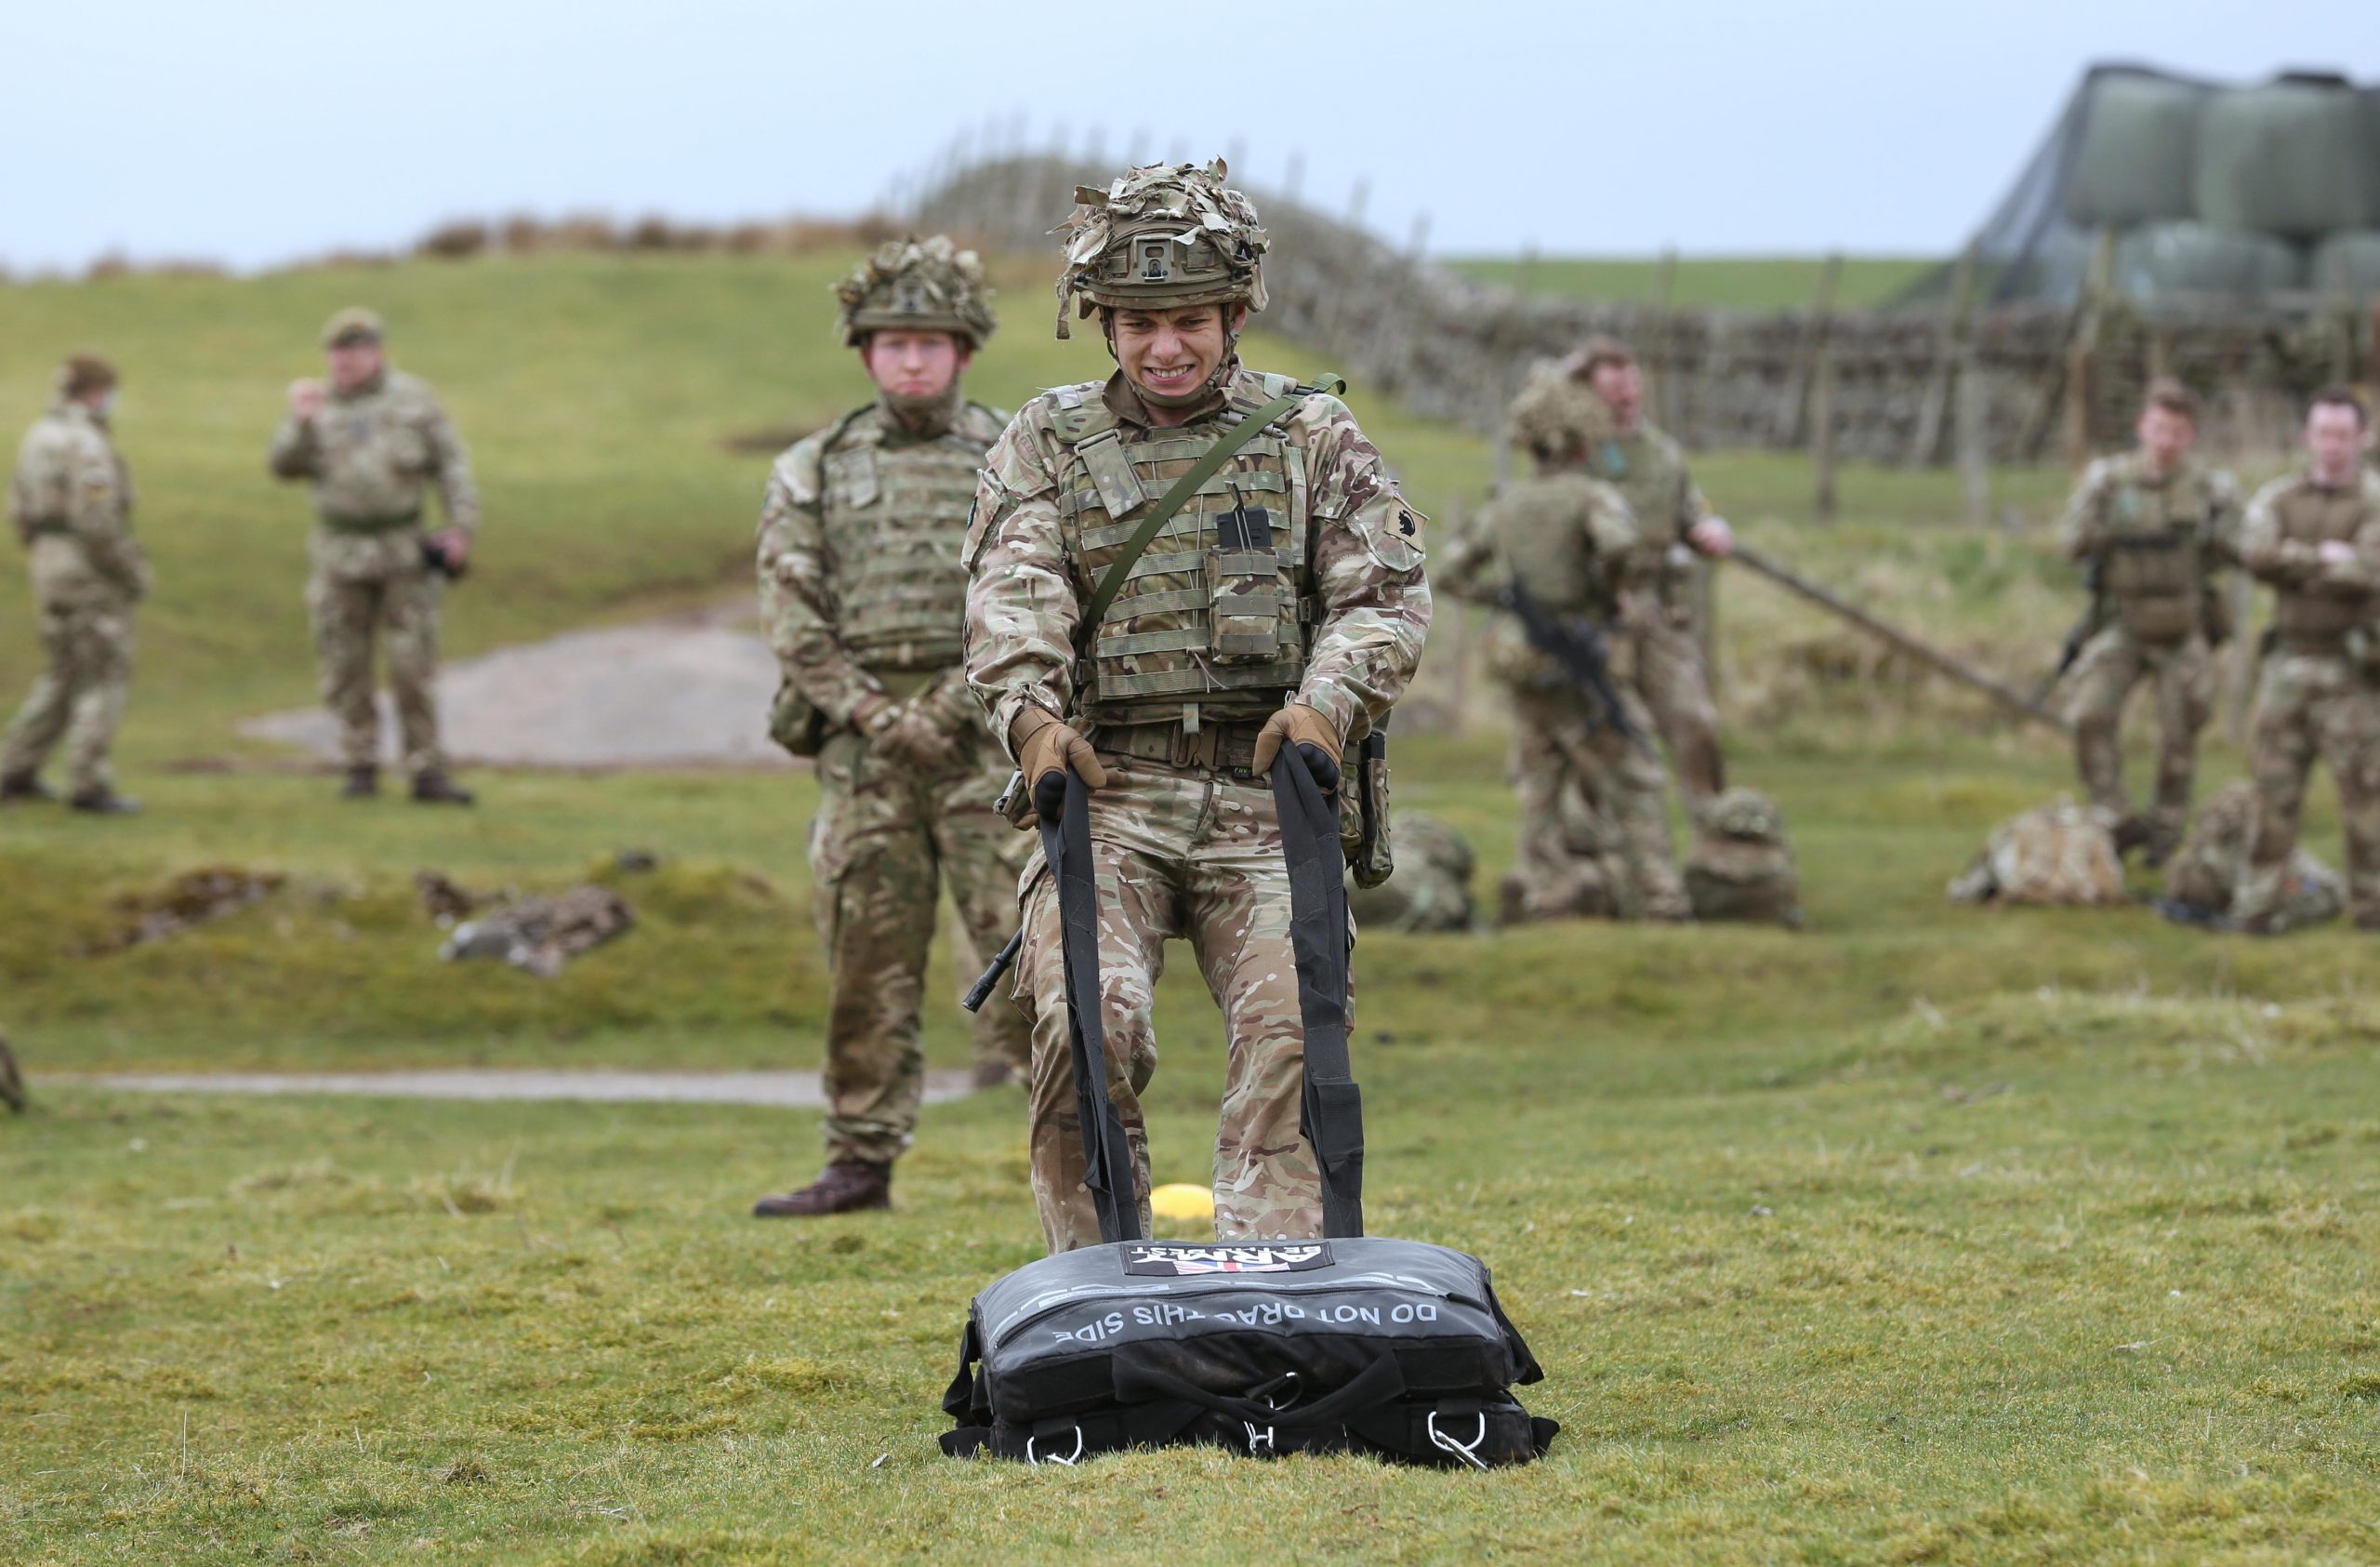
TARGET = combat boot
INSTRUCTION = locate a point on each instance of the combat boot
(2132, 832)
(104, 802)
(363, 783)
(434, 787)
(24, 786)
(849, 1185)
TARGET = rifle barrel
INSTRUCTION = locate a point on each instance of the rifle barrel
(1926, 653)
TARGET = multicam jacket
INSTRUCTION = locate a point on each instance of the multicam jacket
(72, 504)
(2316, 603)
(2161, 541)
(371, 454)
(858, 555)
(1295, 572)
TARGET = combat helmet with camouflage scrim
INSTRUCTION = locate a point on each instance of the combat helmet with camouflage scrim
(1554, 414)
(917, 286)
(1161, 237)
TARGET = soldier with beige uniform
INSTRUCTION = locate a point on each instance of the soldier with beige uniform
(1281, 605)
(2156, 529)
(72, 504)
(370, 443)
(2315, 536)
(864, 600)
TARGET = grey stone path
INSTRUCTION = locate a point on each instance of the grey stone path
(693, 690)
(786, 1090)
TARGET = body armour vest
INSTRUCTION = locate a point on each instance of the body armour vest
(1646, 470)
(1567, 540)
(894, 514)
(2309, 515)
(1212, 620)
(2157, 536)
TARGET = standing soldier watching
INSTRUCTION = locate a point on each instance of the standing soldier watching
(1284, 605)
(2155, 529)
(371, 443)
(1675, 526)
(72, 502)
(2315, 536)
(865, 603)
(1567, 540)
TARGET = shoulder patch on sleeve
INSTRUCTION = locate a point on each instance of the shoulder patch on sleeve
(1393, 532)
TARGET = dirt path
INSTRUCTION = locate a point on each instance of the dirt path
(784, 1090)
(691, 690)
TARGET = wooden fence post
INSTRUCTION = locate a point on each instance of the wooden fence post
(1458, 628)
(1822, 391)
(2082, 356)
(1973, 434)
(1662, 351)
(1508, 363)
(1934, 414)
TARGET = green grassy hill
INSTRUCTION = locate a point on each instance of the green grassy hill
(1922, 1235)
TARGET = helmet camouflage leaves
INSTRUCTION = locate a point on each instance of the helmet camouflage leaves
(1557, 415)
(917, 286)
(1746, 814)
(1162, 237)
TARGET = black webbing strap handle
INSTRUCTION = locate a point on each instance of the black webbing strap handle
(1107, 1153)
(1331, 1108)
(1177, 497)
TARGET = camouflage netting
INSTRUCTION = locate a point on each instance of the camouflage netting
(2210, 191)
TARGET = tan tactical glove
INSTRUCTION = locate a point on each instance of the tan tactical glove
(1045, 748)
(1314, 735)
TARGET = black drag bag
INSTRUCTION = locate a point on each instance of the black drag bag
(1345, 1344)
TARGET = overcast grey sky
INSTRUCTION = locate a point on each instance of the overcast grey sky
(259, 130)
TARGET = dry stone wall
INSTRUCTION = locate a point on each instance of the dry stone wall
(2050, 378)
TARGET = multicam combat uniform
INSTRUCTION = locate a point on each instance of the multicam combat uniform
(1431, 892)
(1320, 599)
(864, 600)
(2319, 694)
(2160, 545)
(1586, 790)
(370, 454)
(2202, 879)
(72, 502)
(1656, 612)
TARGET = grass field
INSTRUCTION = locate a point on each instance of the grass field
(1922, 1235)
(1708, 282)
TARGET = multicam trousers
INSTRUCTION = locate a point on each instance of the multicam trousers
(349, 613)
(1676, 692)
(887, 838)
(2182, 673)
(1181, 852)
(1565, 758)
(2310, 705)
(79, 697)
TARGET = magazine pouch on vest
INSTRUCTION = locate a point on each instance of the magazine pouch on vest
(1340, 1344)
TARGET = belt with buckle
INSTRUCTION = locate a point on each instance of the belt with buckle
(1218, 748)
(388, 523)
